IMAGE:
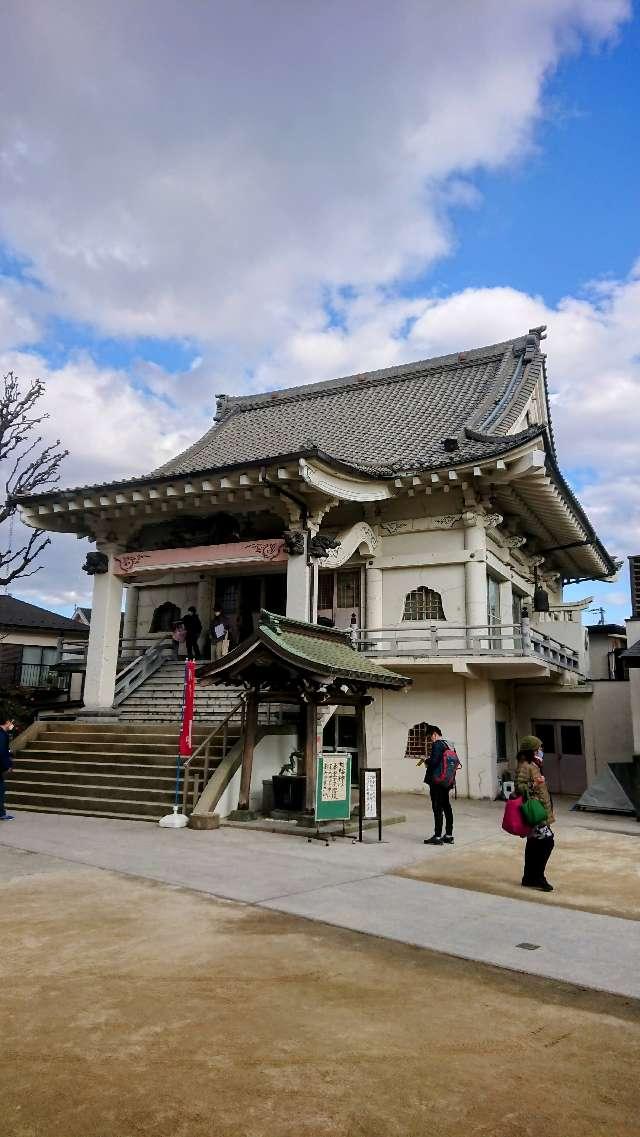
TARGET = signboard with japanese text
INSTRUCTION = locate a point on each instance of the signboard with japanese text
(333, 787)
(370, 797)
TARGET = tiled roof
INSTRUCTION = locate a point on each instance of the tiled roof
(381, 421)
(314, 649)
(18, 614)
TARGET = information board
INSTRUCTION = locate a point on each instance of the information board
(370, 797)
(333, 787)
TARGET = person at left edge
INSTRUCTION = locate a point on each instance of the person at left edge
(6, 764)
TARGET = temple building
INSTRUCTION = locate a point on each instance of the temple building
(420, 508)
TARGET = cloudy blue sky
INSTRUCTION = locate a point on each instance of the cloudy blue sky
(206, 196)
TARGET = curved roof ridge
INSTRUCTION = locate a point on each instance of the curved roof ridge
(452, 360)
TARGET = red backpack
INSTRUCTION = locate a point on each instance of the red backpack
(449, 766)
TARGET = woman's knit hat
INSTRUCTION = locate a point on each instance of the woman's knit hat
(530, 742)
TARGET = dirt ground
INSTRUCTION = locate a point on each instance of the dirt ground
(590, 870)
(134, 1008)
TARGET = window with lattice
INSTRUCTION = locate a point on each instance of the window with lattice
(423, 604)
(348, 589)
(325, 591)
(418, 744)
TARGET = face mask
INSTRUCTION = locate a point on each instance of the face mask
(539, 755)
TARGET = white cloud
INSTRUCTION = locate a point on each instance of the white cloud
(208, 169)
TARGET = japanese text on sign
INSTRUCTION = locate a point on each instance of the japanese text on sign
(370, 794)
(334, 779)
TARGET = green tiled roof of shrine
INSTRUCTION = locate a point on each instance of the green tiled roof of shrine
(314, 649)
(326, 649)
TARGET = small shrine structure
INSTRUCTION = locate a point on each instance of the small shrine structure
(289, 662)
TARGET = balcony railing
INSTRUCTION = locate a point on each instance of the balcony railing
(40, 675)
(446, 641)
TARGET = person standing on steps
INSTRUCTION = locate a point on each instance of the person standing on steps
(6, 764)
(219, 633)
(439, 787)
(530, 782)
(193, 628)
(178, 636)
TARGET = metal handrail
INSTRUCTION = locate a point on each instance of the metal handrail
(196, 778)
(138, 670)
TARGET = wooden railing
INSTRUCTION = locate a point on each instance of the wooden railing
(197, 769)
(447, 640)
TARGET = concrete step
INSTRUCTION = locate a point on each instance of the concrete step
(113, 728)
(90, 804)
(103, 758)
(106, 746)
(109, 814)
(109, 790)
(40, 767)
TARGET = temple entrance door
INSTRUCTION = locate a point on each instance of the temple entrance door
(242, 597)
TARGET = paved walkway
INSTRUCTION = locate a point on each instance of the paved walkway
(347, 885)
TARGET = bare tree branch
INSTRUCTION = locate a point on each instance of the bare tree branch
(27, 465)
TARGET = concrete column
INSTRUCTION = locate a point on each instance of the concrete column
(104, 634)
(373, 587)
(475, 569)
(481, 766)
(130, 629)
(298, 585)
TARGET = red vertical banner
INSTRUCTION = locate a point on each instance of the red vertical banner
(185, 746)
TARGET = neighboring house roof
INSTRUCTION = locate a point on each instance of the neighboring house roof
(631, 655)
(82, 615)
(18, 614)
(607, 630)
(320, 652)
(380, 422)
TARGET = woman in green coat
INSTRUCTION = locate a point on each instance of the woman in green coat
(530, 782)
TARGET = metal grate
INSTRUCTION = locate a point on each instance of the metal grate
(423, 604)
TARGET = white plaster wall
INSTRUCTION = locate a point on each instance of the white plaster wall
(179, 592)
(612, 724)
(447, 579)
(269, 756)
(634, 693)
(434, 697)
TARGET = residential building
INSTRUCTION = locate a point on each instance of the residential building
(33, 641)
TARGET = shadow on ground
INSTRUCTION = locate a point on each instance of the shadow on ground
(591, 870)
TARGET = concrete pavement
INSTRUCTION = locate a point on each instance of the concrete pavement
(347, 885)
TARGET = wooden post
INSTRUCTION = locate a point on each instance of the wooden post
(361, 736)
(310, 754)
(250, 729)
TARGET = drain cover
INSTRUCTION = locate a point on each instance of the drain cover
(528, 947)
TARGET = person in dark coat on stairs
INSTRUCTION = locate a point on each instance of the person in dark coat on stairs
(193, 628)
(6, 764)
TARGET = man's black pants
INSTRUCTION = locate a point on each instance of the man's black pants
(193, 651)
(536, 854)
(441, 807)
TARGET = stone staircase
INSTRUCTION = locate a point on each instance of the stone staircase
(159, 699)
(107, 770)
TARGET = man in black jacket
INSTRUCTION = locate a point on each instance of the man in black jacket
(192, 627)
(440, 802)
(6, 763)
